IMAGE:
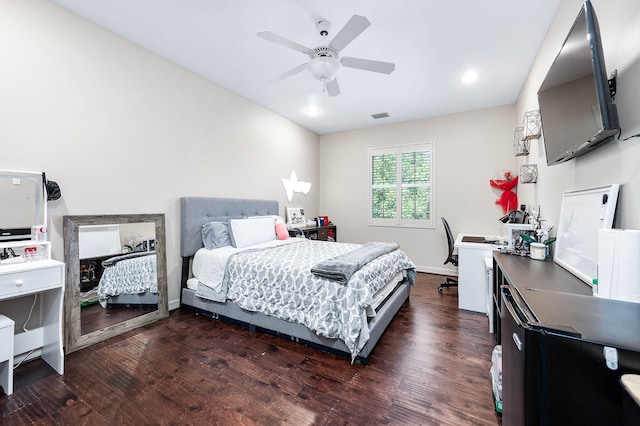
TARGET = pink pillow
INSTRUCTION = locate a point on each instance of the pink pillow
(281, 230)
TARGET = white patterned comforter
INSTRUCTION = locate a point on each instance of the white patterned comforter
(277, 281)
(128, 276)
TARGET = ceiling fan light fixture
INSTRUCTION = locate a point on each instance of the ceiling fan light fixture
(324, 68)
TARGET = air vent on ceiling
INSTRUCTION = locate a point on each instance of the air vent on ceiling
(380, 115)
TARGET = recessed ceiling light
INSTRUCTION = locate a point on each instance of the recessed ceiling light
(470, 77)
(312, 111)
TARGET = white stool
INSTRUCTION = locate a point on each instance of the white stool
(6, 354)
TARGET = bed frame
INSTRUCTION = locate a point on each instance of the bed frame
(143, 299)
(196, 211)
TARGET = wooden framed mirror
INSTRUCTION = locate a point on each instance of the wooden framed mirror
(116, 277)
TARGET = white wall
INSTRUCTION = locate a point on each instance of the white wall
(125, 131)
(616, 162)
(471, 148)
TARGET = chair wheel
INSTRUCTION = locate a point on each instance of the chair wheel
(440, 289)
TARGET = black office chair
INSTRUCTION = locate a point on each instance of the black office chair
(452, 258)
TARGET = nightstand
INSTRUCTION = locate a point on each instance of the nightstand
(321, 233)
(6, 354)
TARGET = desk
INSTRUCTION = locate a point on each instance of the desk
(46, 279)
(473, 285)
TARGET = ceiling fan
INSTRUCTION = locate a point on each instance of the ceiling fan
(325, 61)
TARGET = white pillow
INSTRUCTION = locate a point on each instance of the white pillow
(275, 217)
(247, 232)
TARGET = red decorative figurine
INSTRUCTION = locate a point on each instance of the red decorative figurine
(508, 200)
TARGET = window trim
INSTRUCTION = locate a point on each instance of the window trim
(398, 222)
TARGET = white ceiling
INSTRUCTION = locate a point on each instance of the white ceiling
(432, 43)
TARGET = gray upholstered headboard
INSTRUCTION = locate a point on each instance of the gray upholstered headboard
(196, 211)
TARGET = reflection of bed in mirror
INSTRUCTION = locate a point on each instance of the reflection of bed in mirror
(111, 274)
(342, 317)
(129, 279)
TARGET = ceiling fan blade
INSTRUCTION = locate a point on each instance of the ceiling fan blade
(289, 73)
(333, 89)
(352, 29)
(267, 35)
(368, 65)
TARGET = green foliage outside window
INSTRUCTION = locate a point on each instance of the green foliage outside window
(384, 172)
(401, 183)
(416, 178)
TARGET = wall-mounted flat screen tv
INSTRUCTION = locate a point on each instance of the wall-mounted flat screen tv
(575, 100)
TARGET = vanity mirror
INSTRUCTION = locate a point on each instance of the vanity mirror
(23, 204)
(116, 275)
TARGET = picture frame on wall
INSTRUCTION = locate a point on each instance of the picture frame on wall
(295, 216)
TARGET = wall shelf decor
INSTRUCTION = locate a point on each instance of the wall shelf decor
(520, 145)
(532, 125)
(529, 173)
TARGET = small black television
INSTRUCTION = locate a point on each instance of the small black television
(575, 98)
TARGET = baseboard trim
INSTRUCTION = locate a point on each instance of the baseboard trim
(174, 304)
(437, 271)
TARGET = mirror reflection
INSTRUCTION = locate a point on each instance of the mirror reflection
(116, 275)
(22, 206)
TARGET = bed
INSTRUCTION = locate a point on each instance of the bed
(353, 313)
(129, 279)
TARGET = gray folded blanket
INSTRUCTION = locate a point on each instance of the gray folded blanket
(341, 268)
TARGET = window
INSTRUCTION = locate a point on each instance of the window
(401, 186)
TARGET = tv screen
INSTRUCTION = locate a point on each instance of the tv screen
(575, 102)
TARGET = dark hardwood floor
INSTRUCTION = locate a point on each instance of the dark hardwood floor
(431, 367)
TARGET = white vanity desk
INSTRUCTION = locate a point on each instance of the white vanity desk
(46, 279)
(474, 289)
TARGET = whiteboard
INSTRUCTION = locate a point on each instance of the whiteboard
(581, 215)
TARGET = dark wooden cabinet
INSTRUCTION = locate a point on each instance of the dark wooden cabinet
(563, 350)
(320, 233)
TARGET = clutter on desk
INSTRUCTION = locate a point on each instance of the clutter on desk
(322, 221)
(24, 251)
(526, 239)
